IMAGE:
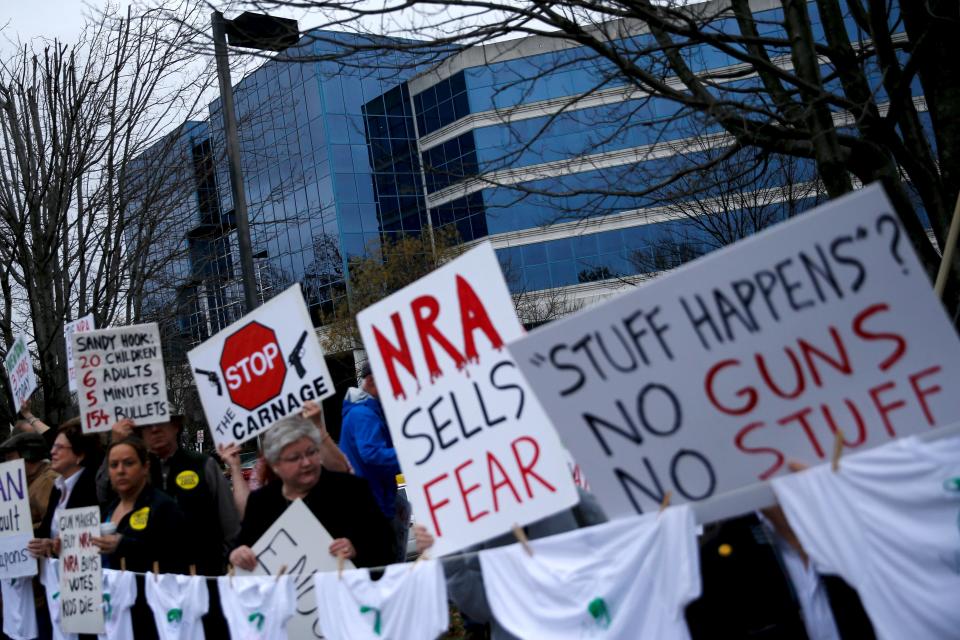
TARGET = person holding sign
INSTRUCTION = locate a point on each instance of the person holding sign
(149, 524)
(31, 448)
(75, 457)
(30, 423)
(341, 502)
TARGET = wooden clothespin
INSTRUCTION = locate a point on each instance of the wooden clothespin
(283, 570)
(521, 537)
(837, 450)
(230, 574)
(193, 570)
(667, 497)
(156, 567)
(123, 564)
(422, 556)
(340, 559)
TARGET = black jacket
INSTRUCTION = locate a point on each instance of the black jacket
(84, 494)
(155, 530)
(748, 594)
(344, 506)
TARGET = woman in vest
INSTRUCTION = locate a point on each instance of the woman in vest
(150, 526)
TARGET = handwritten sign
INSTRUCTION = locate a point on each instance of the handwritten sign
(81, 575)
(477, 450)
(298, 541)
(120, 375)
(260, 369)
(16, 528)
(709, 379)
(80, 324)
(19, 366)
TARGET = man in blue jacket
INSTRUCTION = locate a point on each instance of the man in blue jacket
(365, 440)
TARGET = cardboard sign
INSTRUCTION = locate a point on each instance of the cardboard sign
(120, 375)
(477, 450)
(81, 575)
(19, 366)
(16, 527)
(81, 324)
(710, 378)
(298, 541)
(260, 369)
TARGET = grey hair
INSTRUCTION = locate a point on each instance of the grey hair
(286, 432)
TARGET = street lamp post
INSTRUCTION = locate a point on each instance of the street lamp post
(255, 31)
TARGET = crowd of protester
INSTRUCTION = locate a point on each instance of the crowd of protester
(172, 510)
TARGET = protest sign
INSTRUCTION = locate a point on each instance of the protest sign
(80, 324)
(120, 375)
(260, 369)
(19, 366)
(708, 379)
(16, 528)
(476, 448)
(81, 575)
(298, 542)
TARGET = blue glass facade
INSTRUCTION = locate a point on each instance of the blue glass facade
(336, 157)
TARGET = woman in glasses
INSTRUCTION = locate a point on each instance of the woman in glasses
(341, 502)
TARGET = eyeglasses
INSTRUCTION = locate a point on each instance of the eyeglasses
(60, 447)
(309, 453)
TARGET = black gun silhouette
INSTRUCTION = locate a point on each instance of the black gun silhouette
(296, 356)
(212, 377)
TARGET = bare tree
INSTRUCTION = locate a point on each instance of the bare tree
(825, 81)
(76, 223)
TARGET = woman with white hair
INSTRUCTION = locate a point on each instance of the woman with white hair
(341, 502)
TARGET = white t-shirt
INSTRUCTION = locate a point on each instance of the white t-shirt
(888, 522)
(19, 610)
(119, 594)
(50, 579)
(257, 607)
(629, 578)
(178, 604)
(407, 602)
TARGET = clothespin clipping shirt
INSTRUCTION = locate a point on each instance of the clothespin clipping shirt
(667, 497)
(837, 450)
(521, 537)
(283, 570)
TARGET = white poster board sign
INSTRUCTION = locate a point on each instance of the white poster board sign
(260, 369)
(476, 448)
(16, 527)
(81, 574)
(19, 366)
(120, 375)
(299, 542)
(80, 324)
(711, 378)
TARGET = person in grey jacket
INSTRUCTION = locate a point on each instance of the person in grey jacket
(464, 578)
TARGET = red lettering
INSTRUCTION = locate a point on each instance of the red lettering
(465, 491)
(527, 469)
(901, 344)
(885, 409)
(430, 504)
(926, 391)
(801, 383)
(495, 485)
(474, 316)
(749, 392)
(428, 331)
(739, 441)
(389, 354)
(808, 351)
(801, 417)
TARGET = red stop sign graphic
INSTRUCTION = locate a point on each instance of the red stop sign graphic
(253, 366)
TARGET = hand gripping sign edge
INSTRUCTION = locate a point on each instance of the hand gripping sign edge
(252, 365)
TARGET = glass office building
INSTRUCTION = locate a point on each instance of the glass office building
(533, 144)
